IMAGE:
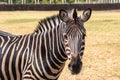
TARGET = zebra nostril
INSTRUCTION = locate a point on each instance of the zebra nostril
(70, 67)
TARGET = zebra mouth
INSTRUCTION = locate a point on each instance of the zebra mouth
(75, 69)
(75, 72)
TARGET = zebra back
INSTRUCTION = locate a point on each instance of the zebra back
(6, 34)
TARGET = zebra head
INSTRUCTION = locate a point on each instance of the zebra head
(73, 36)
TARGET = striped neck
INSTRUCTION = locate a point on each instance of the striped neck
(52, 57)
(48, 24)
(55, 44)
(52, 50)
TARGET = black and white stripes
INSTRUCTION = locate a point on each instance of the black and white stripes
(42, 54)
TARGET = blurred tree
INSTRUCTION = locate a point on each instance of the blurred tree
(30, 1)
(10, 1)
(82, 0)
(16, 1)
(45, 1)
(1, 0)
(57, 1)
(70, 1)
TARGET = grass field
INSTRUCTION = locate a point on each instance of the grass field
(101, 59)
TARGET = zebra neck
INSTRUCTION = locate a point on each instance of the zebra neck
(56, 46)
(48, 24)
(51, 58)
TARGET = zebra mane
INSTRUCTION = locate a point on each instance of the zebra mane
(47, 23)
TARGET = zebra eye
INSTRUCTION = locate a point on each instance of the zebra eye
(80, 55)
(65, 36)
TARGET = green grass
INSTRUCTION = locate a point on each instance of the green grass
(101, 59)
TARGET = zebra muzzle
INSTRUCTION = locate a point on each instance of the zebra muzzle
(75, 65)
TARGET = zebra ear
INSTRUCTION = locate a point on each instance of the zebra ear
(86, 15)
(63, 15)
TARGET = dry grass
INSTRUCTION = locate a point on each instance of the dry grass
(102, 54)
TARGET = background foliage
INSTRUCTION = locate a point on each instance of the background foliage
(42, 1)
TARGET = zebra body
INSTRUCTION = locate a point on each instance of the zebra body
(42, 54)
(24, 52)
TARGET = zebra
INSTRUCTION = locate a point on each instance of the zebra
(6, 33)
(42, 54)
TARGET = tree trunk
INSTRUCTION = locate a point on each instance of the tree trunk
(22, 1)
(8, 1)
